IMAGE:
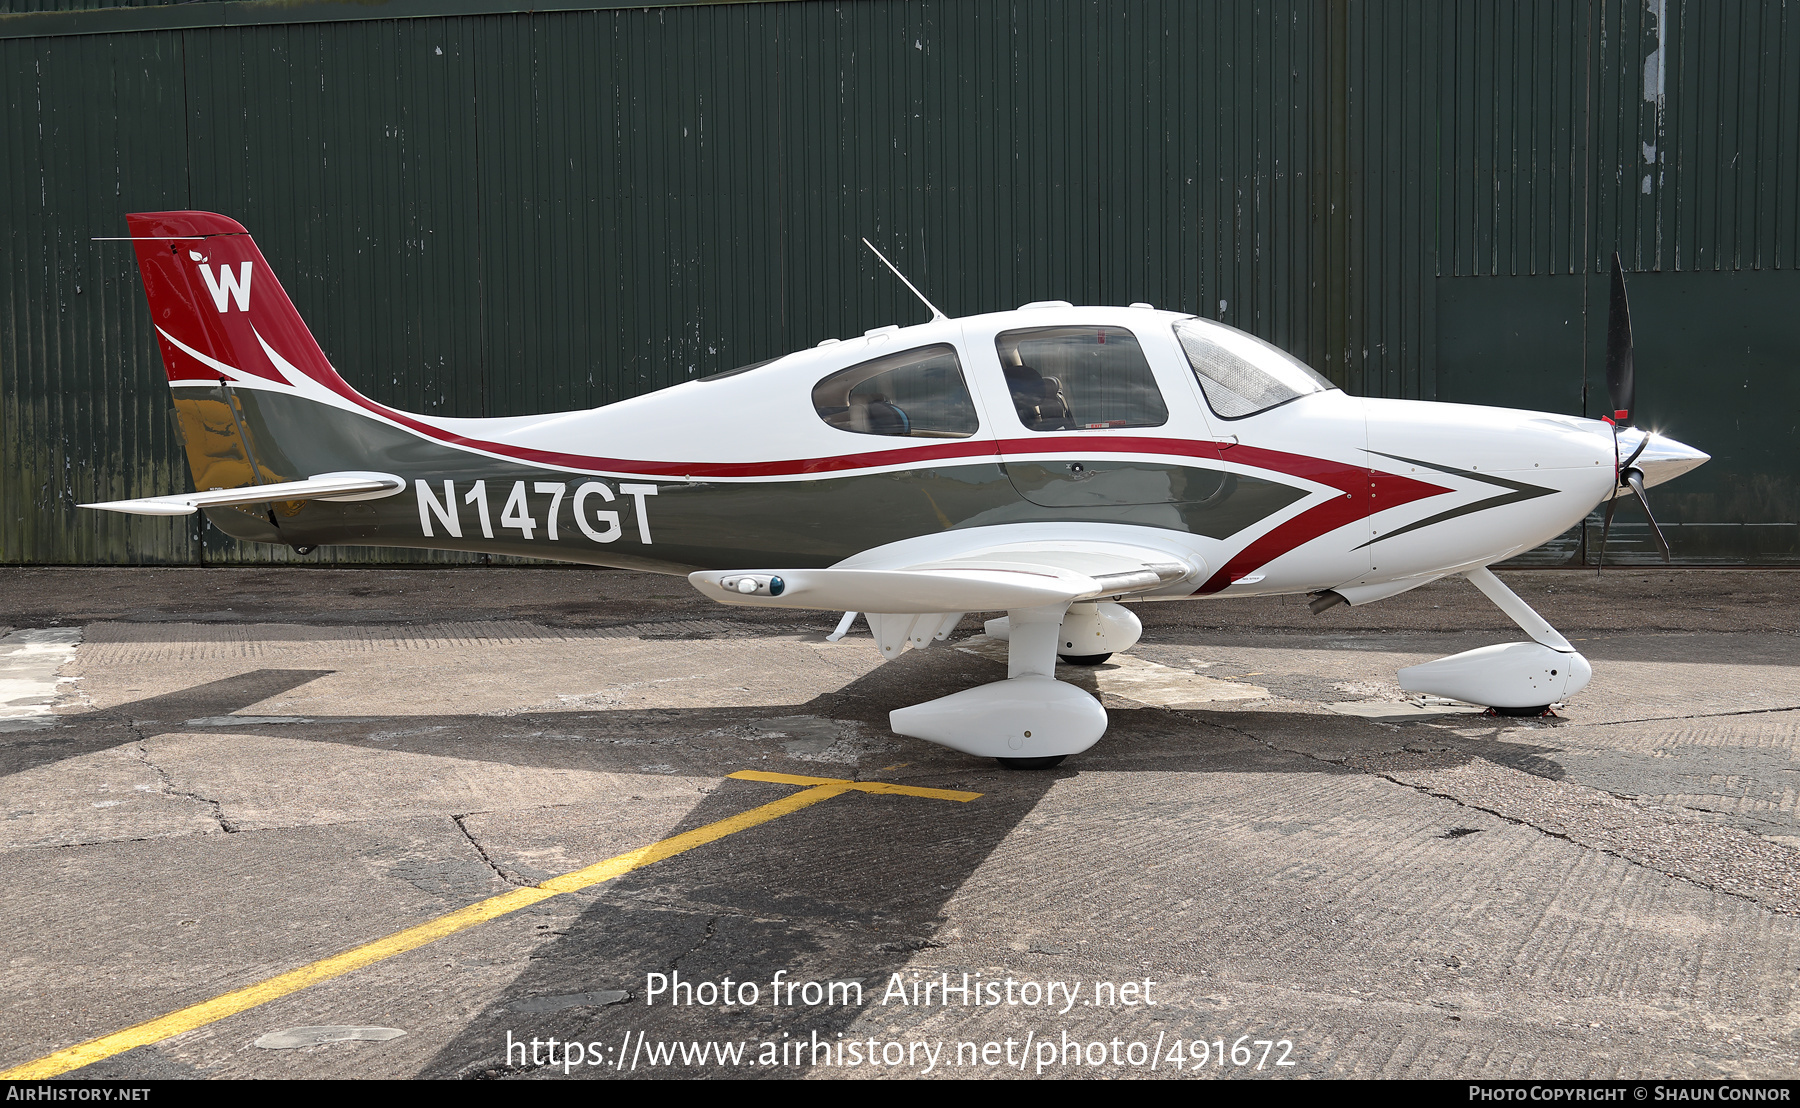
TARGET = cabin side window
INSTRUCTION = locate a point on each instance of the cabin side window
(917, 394)
(1080, 378)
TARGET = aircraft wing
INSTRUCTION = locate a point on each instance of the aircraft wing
(1019, 575)
(326, 486)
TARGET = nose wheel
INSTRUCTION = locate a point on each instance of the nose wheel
(1085, 659)
(1031, 763)
(1521, 712)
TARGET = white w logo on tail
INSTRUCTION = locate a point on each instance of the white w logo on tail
(226, 284)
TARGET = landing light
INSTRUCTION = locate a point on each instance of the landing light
(751, 585)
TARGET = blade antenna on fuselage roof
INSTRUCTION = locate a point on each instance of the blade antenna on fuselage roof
(935, 313)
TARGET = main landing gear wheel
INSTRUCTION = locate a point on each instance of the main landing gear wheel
(1031, 763)
(1537, 711)
(1085, 659)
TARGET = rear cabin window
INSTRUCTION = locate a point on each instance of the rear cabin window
(1079, 379)
(917, 394)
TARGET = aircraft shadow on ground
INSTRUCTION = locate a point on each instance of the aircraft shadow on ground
(847, 891)
(851, 889)
(1206, 739)
(72, 736)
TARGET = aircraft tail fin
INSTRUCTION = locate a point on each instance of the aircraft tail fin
(258, 404)
(219, 312)
(240, 358)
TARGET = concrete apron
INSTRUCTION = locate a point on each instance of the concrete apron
(1614, 893)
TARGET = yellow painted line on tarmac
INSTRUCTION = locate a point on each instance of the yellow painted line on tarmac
(856, 786)
(238, 1000)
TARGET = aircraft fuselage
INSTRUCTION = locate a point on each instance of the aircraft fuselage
(740, 471)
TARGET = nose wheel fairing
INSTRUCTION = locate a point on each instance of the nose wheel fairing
(1509, 676)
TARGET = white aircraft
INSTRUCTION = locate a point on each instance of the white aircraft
(1046, 463)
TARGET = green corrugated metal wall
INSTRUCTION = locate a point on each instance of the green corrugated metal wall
(493, 213)
(1669, 132)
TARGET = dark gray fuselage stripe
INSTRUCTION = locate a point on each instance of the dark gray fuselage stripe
(1519, 491)
(700, 524)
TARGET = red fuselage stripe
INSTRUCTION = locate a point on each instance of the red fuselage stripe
(1365, 490)
(1383, 491)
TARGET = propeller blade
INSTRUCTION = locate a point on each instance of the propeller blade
(1612, 503)
(1636, 477)
(1626, 464)
(1621, 384)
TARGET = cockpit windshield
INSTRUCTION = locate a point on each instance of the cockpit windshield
(1240, 373)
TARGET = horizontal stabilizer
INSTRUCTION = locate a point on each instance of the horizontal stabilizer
(990, 581)
(326, 486)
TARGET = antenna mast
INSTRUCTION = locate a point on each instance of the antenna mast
(935, 313)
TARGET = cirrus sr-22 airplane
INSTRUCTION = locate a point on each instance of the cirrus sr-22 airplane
(1046, 463)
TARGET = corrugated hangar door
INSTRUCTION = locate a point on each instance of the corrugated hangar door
(1670, 133)
(1717, 355)
(482, 211)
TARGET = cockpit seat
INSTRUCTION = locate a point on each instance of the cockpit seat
(1027, 388)
(1038, 399)
(1053, 412)
(886, 419)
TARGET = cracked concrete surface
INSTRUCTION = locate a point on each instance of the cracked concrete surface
(265, 768)
(142, 751)
(506, 875)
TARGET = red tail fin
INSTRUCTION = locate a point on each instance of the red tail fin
(218, 309)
